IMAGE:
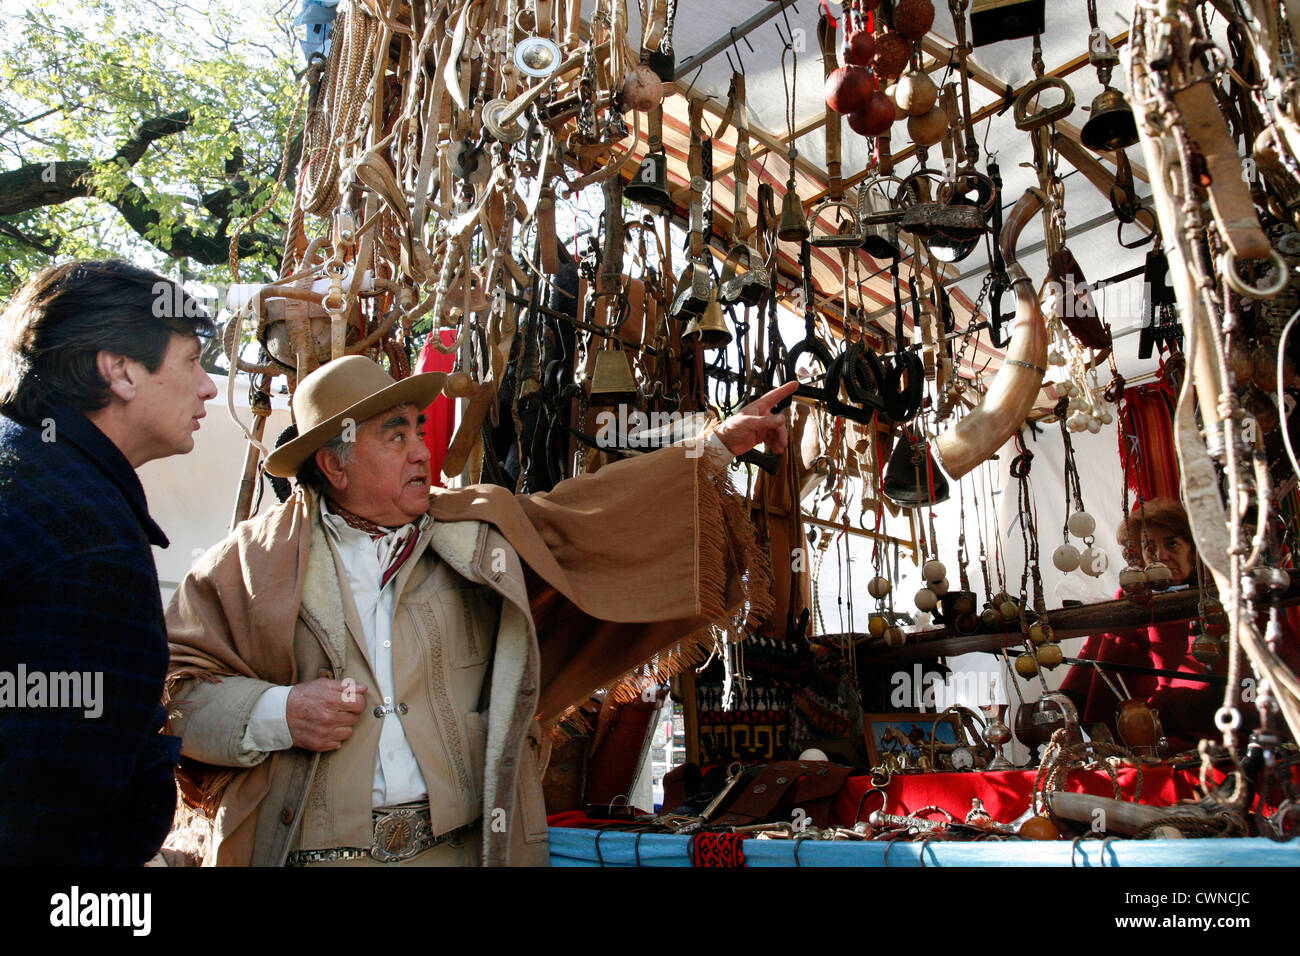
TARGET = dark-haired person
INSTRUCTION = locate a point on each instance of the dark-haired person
(1158, 530)
(99, 373)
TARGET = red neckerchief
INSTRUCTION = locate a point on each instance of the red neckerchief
(377, 531)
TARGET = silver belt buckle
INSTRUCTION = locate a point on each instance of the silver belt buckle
(400, 835)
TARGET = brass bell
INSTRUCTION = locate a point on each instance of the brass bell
(710, 330)
(908, 483)
(612, 381)
(1111, 125)
(649, 187)
(793, 226)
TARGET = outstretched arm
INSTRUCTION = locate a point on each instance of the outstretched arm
(756, 424)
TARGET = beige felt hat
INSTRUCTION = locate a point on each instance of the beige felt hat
(353, 388)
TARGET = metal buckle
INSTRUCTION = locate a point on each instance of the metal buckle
(400, 835)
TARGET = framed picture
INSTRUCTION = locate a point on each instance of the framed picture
(907, 737)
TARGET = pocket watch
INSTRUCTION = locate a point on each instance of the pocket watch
(962, 759)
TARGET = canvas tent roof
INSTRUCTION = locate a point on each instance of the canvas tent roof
(703, 36)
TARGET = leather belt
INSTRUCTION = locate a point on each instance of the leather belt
(400, 833)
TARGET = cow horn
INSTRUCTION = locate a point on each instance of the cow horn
(1010, 396)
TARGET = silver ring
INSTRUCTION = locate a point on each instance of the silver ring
(1237, 285)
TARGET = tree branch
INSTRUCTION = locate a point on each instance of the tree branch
(36, 185)
(149, 132)
(50, 245)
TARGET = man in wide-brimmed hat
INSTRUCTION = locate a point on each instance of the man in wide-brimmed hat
(362, 676)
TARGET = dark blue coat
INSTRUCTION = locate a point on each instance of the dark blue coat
(79, 592)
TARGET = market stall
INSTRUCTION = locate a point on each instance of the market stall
(1018, 321)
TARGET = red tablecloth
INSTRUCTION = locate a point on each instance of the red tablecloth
(1005, 795)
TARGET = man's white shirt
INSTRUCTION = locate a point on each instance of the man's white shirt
(397, 773)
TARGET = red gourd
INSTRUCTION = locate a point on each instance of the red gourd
(848, 88)
(860, 48)
(875, 118)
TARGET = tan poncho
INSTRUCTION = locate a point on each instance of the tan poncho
(628, 572)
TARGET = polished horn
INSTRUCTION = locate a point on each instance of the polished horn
(1010, 396)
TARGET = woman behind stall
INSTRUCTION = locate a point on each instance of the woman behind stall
(1156, 531)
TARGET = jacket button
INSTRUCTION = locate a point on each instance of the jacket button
(286, 815)
(402, 708)
(378, 711)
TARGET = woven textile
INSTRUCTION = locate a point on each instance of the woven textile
(718, 849)
(1146, 441)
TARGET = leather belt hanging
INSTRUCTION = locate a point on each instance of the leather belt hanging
(826, 36)
(999, 282)
(695, 286)
(849, 233)
(542, 18)
(750, 286)
(741, 228)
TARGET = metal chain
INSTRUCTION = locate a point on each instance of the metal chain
(666, 44)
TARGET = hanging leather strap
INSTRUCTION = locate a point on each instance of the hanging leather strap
(835, 184)
(740, 227)
(656, 24)
(655, 134)
(543, 18)
(695, 165)
(1000, 283)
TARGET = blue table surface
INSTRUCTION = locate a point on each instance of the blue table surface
(576, 847)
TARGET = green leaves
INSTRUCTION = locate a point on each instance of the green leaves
(82, 76)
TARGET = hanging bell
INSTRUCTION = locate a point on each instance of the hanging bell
(793, 226)
(612, 381)
(710, 330)
(1111, 125)
(907, 482)
(649, 187)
